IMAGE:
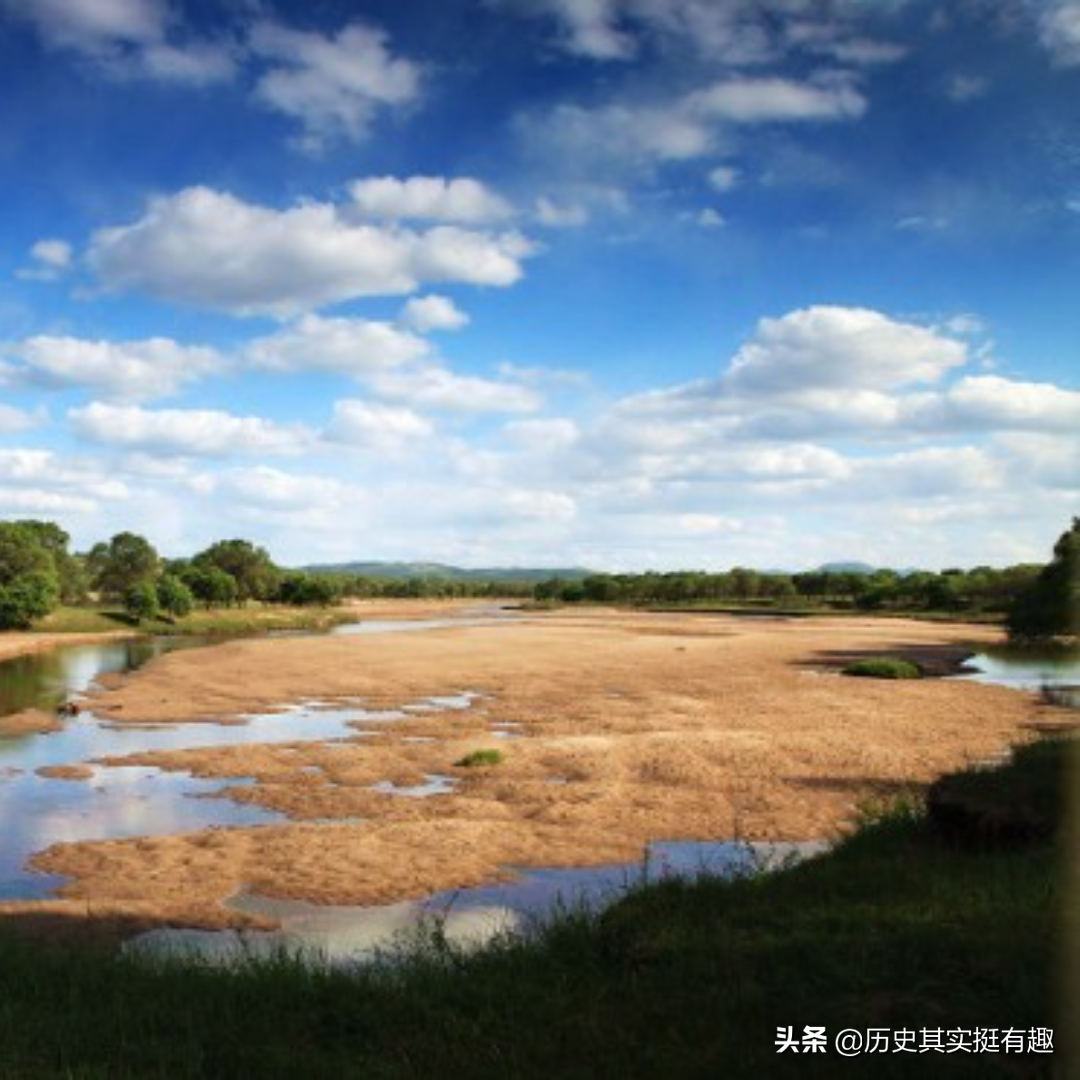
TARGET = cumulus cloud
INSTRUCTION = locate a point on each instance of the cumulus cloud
(373, 426)
(210, 249)
(123, 371)
(51, 260)
(354, 347)
(460, 200)
(127, 39)
(266, 488)
(185, 432)
(991, 403)
(434, 387)
(50, 473)
(427, 313)
(333, 84)
(836, 348)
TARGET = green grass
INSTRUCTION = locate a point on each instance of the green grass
(480, 758)
(252, 619)
(884, 667)
(894, 928)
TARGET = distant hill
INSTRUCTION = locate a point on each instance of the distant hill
(407, 571)
(846, 568)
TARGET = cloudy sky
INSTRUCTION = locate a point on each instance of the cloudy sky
(619, 283)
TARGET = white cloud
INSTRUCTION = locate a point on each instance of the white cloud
(1059, 29)
(355, 347)
(560, 215)
(52, 259)
(461, 200)
(185, 432)
(724, 178)
(776, 100)
(991, 403)
(841, 349)
(428, 313)
(127, 39)
(211, 249)
(13, 420)
(124, 371)
(545, 435)
(710, 218)
(372, 426)
(46, 471)
(332, 84)
(271, 489)
(433, 387)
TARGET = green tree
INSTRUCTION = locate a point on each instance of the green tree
(174, 597)
(141, 601)
(1050, 606)
(29, 583)
(127, 560)
(250, 567)
(211, 586)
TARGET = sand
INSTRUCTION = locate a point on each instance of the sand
(65, 772)
(29, 722)
(14, 644)
(632, 727)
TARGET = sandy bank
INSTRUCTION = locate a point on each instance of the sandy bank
(29, 722)
(22, 644)
(629, 727)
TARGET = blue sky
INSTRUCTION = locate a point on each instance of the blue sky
(621, 283)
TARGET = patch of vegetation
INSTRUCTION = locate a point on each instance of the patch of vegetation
(894, 928)
(1050, 606)
(884, 667)
(479, 758)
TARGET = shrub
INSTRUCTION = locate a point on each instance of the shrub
(174, 597)
(480, 757)
(885, 667)
(141, 601)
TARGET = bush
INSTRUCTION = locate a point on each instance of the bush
(174, 597)
(141, 601)
(480, 757)
(885, 667)
(29, 597)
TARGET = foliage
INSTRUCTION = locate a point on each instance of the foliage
(29, 597)
(174, 597)
(309, 590)
(978, 591)
(250, 567)
(1050, 605)
(29, 581)
(141, 601)
(210, 585)
(884, 667)
(125, 561)
(480, 757)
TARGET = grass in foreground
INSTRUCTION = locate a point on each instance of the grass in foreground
(892, 929)
(252, 619)
(480, 758)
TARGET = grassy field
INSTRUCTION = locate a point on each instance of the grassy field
(250, 619)
(894, 928)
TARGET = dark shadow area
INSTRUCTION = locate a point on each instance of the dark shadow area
(935, 661)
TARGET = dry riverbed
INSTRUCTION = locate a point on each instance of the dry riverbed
(615, 728)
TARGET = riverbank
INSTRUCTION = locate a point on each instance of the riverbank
(895, 930)
(624, 728)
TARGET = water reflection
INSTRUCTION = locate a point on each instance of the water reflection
(467, 917)
(1056, 673)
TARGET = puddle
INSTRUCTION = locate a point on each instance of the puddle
(468, 917)
(125, 801)
(434, 784)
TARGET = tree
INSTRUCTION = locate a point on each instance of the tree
(174, 597)
(29, 584)
(127, 560)
(69, 569)
(309, 589)
(210, 585)
(1050, 606)
(251, 567)
(141, 601)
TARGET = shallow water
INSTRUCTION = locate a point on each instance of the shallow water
(467, 917)
(1054, 673)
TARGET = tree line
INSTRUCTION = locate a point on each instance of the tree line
(38, 572)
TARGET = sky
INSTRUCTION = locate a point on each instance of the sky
(622, 284)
